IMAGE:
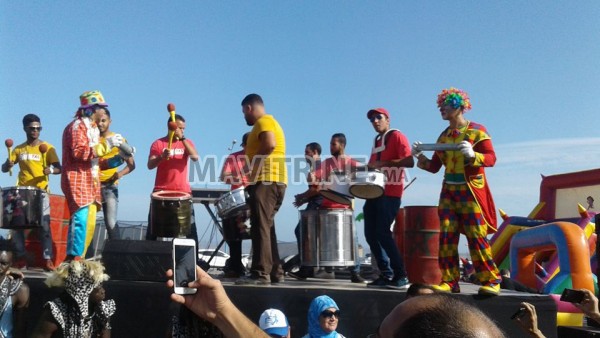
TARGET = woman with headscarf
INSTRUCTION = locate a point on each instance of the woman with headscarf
(323, 317)
(80, 311)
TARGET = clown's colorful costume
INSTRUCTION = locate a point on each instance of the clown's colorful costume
(466, 205)
(80, 180)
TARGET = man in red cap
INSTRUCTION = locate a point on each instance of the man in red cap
(391, 153)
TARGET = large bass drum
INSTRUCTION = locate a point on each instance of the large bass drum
(327, 238)
(170, 214)
(22, 207)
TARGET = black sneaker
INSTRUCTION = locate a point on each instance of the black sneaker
(381, 282)
(300, 274)
(356, 278)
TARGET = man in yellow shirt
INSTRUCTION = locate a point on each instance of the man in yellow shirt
(34, 168)
(265, 149)
(110, 175)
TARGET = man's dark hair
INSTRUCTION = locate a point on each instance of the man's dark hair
(27, 119)
(446, 317)
(251, 99)
(340, 137)
(177, 118)
(314, 146)
(245, 138)
(107, 111)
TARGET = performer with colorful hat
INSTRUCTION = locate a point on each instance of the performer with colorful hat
(466, 203)
(80, 181)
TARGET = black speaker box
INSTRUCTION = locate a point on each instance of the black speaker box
(137, 260)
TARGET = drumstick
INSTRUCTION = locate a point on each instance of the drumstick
(172, 123)
(43, 149)
(9, 143)
(437, 146)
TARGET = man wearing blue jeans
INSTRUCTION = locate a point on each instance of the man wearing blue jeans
(110, 175)
(391, 153)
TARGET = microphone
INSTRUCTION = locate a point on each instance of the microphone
(232, 144)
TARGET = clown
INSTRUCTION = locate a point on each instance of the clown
(80, 181)
(466, 203)
(80, 311)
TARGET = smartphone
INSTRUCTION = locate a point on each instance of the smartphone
(520, 312)
(184, 265)
(572, 296)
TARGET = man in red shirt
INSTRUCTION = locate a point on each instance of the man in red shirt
(233, 173)
(391, 153)
(172, 168)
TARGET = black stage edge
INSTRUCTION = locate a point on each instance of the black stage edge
(144, 308)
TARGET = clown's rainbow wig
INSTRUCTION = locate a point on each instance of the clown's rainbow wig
(455, 97)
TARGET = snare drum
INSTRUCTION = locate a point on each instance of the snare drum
(23, 207)
(367, 184)
(232, 203)
(337, 188)
(327, 237)
(170, 214)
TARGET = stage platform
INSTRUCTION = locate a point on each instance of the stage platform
(145, 310)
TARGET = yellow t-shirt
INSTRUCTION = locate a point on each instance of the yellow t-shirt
(106, 174)
(273, 168)
(31, 164)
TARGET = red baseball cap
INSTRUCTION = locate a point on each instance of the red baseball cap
(382, 111)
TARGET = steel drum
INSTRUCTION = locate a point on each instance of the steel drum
(231, 203)
(327, 237)
(22, 207)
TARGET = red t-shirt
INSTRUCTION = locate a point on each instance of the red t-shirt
(396, 147)
(171, 174)
(322, 175)
(234, 164)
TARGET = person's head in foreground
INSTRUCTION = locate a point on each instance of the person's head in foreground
(418, 289)
(437, 315)
(274, 323)
(323, 317)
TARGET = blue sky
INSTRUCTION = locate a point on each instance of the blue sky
(531, 69)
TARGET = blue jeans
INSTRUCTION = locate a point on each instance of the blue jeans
(379, 214)
(110, 202)
(18, 236)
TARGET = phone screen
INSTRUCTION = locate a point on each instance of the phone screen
(184, 257)
(572, 296)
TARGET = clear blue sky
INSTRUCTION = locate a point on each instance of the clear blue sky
(531, 69)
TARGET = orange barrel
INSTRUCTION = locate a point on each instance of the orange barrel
(399, 231)
(421, 244)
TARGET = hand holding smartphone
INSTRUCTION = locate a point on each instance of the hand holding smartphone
(184, 265)
(572, 296)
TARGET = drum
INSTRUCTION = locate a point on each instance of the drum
(22, 207)
(231, 203)
(367, 184)
(237, 228)
(327, 238)
(336, 188)
(170, 214)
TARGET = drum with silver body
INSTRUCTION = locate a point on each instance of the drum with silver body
(367, 184)
(232, 203)
(170, 214)
(327, 237)
(22, 207)
(337, 188)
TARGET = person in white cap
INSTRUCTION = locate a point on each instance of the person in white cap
(274, 323)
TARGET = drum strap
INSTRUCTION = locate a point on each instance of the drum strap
(378, 150)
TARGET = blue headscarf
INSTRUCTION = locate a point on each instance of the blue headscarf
(317, 306)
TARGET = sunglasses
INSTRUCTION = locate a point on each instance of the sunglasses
(329, 314)
(35, 128)
(376, 117)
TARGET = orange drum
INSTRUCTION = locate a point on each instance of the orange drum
(421, 244)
